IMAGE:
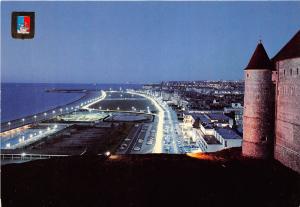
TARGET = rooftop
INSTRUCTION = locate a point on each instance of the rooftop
(290, 50)
(207, 125)
(201, 117)
(228, 133)
(218, 117)
(259, 59)
(210, 139)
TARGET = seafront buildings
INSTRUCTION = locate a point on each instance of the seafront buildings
(210, 112)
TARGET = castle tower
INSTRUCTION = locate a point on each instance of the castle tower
(259, 101)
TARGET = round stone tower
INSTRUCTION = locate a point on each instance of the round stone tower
(259, 109)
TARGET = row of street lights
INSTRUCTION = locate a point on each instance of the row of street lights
(31, 136)
(54, 112)
(132, 108)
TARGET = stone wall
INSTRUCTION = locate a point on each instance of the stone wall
(287, 143)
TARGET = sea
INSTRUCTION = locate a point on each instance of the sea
(23, 99)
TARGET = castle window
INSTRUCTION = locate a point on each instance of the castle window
(291, 71)
(247, 75)
(297, 71)
(283, 72)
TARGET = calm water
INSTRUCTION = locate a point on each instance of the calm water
(23, 99)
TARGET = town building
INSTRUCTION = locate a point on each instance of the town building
(211, 131)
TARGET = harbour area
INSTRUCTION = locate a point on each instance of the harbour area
(119, 122)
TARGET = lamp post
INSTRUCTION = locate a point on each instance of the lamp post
(23, 120)
(34, 118)
(9, 128)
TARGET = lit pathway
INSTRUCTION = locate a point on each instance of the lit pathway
(158, 147)
(103, 95)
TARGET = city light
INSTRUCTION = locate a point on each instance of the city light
(107, 154)
(23, 154)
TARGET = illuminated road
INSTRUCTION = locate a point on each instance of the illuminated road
(49, 114)
(158, 147)
(167, 134)
(103, 95)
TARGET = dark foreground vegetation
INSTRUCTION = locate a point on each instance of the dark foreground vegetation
(222, 179)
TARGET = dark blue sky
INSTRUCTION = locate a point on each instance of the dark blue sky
(117, 42)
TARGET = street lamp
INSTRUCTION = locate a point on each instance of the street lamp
(34, 118)
(23, 154)
(45, 114)
(9, 128)
(61, 110)
(23, 120)
(8, 145)
(107, 154)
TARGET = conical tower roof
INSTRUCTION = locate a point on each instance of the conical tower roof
(290, 50)
(259, 59)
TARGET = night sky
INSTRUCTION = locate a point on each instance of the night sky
(142, 42)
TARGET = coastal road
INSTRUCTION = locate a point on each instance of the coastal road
(49, 114)
(158, 147)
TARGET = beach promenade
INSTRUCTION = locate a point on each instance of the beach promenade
(90, 97)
